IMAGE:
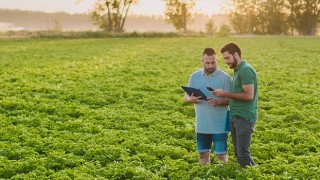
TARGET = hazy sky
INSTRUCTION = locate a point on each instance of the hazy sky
(145, 7)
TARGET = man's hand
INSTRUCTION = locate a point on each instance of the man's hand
(246, 95)
(219, 93)
(218, 102)
(213, 102)
(193, 99)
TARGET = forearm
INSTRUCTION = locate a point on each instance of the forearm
(223, 102)
(242, 96)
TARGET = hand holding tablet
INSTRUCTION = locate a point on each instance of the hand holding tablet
(196, 92)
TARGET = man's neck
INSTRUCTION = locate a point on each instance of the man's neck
(239, 61)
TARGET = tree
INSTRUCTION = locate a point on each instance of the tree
(224, 31)
(292, 21)
(244, 18)
(111, 15)
(210, 27)
(272, 17)
(178, 12)
(305, 15)
(275, 16)
(56, 25)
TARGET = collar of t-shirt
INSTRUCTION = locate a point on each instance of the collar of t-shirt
(212, 74)
(243, 62)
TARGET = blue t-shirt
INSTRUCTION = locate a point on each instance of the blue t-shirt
(210, 119)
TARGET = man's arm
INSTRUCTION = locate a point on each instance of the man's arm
(246, 95)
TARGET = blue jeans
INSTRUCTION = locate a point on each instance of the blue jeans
(241, 133)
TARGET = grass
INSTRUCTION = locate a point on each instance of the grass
(114, 109)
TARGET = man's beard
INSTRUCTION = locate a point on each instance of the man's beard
(209, 70)
(234, 64)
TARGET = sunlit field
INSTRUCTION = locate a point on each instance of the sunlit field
(114, 109)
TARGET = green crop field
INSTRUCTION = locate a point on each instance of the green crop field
(113, 108)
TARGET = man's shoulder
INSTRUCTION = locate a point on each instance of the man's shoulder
(198, 72)
(247, 66)
(247, 69)
(223, 73)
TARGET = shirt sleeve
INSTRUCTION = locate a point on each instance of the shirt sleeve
(191, 81)
(248, 77)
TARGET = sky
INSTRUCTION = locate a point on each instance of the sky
(145, 7)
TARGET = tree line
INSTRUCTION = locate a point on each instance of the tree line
(275, 16)
(17, 20)
(110, 15)
(247, 17)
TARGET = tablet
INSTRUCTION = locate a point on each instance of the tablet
(196, 92)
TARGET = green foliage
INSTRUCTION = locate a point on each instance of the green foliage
(275, 16)
(272, 17)
(210, 27)
(178, 13)
(113, 109)
(110, 15)
(304, 16)
(244, 18)
(224, 31)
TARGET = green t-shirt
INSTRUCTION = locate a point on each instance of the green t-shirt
(244, 74)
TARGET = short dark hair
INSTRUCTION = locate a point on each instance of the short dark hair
(209, 52)
(232, 48)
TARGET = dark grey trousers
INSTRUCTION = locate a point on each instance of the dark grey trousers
(241, 132)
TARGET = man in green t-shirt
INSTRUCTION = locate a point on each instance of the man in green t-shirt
(243, 102)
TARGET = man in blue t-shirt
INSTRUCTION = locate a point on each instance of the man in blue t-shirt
(211, 115)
